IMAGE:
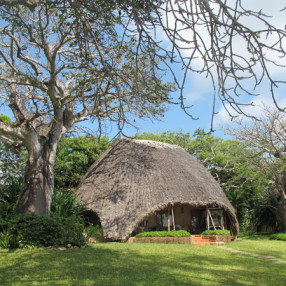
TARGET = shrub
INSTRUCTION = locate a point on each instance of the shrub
(216, 232)
(7, 240)
(9, 192)
(93, 231)
(43, 230)
(278, 236)
(172, 233)
(65, 204)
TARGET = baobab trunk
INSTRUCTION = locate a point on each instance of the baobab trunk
(38, 185)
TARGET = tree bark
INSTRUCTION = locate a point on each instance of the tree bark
(38, 185)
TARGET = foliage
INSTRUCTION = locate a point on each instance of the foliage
(268, 136)
(93, 231)
(12, 160)
(7, 240)
(12, 156)
(74, 156)
(234, 165)
(172, 233)
(216, 232)
(42, 230)
(9, 192)
(278, 236)
(171, 137)
(65, 204)
(145, 264)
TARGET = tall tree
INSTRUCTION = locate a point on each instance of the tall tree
(235, 45)
(51, 81)
(268, 135)
(234, 165)
(74, 157)
(96, 34)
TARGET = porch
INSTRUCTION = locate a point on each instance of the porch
(192, 219)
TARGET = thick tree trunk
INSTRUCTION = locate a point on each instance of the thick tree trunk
(38, 185)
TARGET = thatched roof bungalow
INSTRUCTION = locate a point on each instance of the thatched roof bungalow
(135, 180)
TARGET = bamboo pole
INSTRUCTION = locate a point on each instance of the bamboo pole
(169, 220)
(212, 219)
(174, 227)
(208, 218)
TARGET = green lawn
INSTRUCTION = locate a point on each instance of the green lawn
(262, 247)
(143, 264)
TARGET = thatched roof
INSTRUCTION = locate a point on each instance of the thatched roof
(135, 178)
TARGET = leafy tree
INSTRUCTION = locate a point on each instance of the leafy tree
(268, 135)
(234, 165)
(177, 138)
(51, 81)
(75, 156)
(12, 162)
(12, 156)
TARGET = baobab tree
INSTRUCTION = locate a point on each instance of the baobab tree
(51, 81)
(65, 61)
(236, 46)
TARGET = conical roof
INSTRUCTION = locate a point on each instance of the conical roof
(134, 178)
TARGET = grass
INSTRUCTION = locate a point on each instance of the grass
(142, 264)
(262, 246)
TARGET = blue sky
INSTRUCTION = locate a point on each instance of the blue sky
(198, 92)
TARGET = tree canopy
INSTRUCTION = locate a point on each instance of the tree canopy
(268, 136)
(236, 46)
(63, 62)
(74, 157)
(51, 79)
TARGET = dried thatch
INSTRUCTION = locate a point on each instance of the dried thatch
(135, 178)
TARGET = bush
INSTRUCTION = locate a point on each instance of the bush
(65, 204)
(216, 232)
(7, 240)
(93, 231)
(9, 192)
(278, 236)
(172, 233)
(43, 230)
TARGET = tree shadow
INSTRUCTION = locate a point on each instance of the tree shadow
(121, 264)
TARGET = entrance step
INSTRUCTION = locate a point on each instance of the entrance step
(206, 240)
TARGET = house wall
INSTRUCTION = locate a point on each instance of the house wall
(183, 216)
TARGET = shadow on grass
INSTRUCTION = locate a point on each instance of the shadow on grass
(122, 264)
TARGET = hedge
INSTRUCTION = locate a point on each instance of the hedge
(278, 236)
(216, 232)
(42, 230)
(172, 233)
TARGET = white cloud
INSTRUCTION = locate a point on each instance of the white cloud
(256, 110)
